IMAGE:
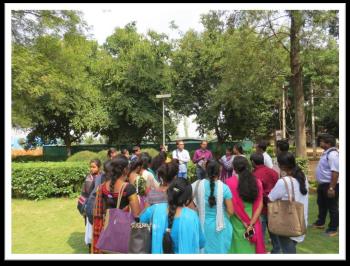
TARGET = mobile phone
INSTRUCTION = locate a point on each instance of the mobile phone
(249, 234)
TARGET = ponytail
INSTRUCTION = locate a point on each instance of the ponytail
(299, 175)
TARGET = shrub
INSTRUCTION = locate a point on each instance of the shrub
(151, 151)
(82, 156)
(303, 163)
(27, 158)
(47, 179)
(102, 155)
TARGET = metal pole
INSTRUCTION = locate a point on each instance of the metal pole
(313, 123)
(163, 126)
(283, 113)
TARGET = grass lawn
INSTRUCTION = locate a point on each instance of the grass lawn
(54, 226)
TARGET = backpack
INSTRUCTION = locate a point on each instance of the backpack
(330, 150)
(90, 202)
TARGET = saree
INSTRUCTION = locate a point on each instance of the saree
(239, 207)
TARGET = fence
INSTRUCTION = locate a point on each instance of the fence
(59, 153)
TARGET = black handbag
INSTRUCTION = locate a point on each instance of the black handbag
(140, 241)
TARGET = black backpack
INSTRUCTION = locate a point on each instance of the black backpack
(90, 202)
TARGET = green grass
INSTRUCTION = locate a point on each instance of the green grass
(54, 226)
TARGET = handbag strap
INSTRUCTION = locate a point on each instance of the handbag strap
(286, 185)
(120, 195)
(293, 194)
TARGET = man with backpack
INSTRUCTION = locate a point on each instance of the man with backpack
(327, 174)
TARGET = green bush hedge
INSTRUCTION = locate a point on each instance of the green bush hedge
(27, 158)
(83, 156)
(102, 155)
(303, 163)
(47, 179)
(151, 151)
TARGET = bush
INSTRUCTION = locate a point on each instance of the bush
(27, 158)
(152, 152)
(83, 156)
(47, 179)
(303, 163)
(102, 155)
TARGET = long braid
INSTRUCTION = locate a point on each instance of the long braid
(168, 247)
(212, 199)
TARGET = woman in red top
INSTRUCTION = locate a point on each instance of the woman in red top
(107, 195)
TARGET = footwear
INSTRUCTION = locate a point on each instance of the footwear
(331, 233)
(316, 225)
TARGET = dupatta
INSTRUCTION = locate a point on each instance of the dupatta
(238, 206)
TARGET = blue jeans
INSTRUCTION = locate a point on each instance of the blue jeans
(288, 245)
(200, 173)
(276, 246)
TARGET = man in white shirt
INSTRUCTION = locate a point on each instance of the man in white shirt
(183, 157)
(261, 148)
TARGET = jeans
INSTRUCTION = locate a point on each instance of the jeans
(276, 246)
(288, 245)
(200, 173)
(326, 204)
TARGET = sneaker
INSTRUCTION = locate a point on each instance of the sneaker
(331, 233)
(318, 226)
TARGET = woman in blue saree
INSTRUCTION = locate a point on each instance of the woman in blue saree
(175, 228)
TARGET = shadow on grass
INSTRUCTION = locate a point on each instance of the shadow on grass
(77, 243)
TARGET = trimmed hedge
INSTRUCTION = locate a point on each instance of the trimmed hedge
(152, 152)
(27, 158)
(82, 156)
(47, 179)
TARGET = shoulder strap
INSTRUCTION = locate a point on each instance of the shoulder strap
(286, 185)
(330, 150)
(293, 193)
(120, 194)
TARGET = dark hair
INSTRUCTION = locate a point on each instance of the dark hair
(146, 160)
(134, 164)
(168, 171)
(158, 160)
(97, 162)
(213, 171)
(262, 145)
(179, 194)
(229, 148)
(239, 147)
(257, 158)
(178, 141)
(204, 141)
(135, 148)
(110, 151)
(247, 187)
(124, 151)
(115, 170)
(327, 138)
(287, 160)
(282, 145)
(107, 169)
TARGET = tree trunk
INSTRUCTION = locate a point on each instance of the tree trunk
(297, 82)
(68, 144)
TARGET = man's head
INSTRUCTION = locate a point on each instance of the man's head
(326, 141)
(282, 146)
(257, 159)
(136, 150)
(180, 145)
(261, 146)
(204, 144)
(112, 153)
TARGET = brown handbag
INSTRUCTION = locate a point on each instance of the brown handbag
(286, 217)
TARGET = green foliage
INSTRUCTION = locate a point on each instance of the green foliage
(27, 158)
(102, 155)
(42, 180)
(303, 163)
(152, 152)
(83, 156)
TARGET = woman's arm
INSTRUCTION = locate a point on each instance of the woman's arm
(229, 207)
(134, 205)
(257, 213)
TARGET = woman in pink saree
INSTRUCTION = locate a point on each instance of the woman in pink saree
(247, 199)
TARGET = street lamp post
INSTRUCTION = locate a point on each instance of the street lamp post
(163, 96)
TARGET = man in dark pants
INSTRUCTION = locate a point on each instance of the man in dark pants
(327, 174)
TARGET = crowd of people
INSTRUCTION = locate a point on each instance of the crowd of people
(224, 211)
